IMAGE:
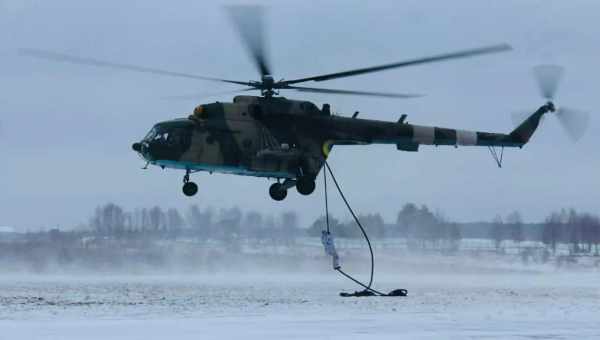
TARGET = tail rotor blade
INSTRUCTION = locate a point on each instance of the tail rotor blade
(574, 122)
(548, 78)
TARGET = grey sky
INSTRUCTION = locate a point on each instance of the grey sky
(66, 130)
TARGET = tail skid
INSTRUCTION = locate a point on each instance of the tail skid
(521, 134)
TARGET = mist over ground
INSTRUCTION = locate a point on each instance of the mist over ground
(282, 297)
(153, 273)
(206, 240)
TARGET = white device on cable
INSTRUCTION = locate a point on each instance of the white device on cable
(327, 240)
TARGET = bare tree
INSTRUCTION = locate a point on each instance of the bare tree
(515, 227)
(574, 228)
(406, 221)
(454, 235)
(156, 218)
(373, 223)
(595, 233)
(253, 226)
(497, 232)
(201, 222)
(174, 222)
(108, 220)
(228, 224)
(551, 231)
(289, 227)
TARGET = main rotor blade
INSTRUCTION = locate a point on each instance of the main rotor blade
(61, 57)
(441, 57)
(206, 95)
(249, 23)
(575, 122)
(360, 93)
(548, 77)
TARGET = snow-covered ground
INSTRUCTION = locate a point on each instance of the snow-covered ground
(442, 304)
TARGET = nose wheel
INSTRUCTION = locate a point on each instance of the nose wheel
(189, 188)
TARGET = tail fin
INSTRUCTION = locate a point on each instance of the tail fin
(525, 130)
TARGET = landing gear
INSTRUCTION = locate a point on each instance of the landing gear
(189, 188)
(277, 191)
(305, 185)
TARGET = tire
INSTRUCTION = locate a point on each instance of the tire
(190, 189)
(305, 185)
(277, 192)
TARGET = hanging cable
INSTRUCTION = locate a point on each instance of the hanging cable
(326, 200)
(330, 248)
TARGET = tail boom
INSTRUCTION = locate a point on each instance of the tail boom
(408, 137)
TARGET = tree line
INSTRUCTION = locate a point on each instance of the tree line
(226, 224)
(421, 227)
(418, 225)
(580, 231)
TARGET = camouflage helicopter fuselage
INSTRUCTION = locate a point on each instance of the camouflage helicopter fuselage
(289, 139)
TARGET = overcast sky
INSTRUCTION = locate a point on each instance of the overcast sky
(66, 130)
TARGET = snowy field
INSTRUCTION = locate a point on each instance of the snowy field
(447, 304)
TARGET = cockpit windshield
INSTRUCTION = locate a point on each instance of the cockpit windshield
(158, 133)
(151, 134)
(170, 134)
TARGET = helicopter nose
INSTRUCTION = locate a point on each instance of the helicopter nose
(137, 147)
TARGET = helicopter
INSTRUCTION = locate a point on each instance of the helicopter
(289, 140)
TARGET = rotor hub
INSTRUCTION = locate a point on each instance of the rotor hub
(267, 81)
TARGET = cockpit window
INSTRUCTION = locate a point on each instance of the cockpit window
(157, 134)
(177, 137)
(151, 134)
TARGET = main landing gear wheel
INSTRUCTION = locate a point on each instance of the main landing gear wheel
(305, 185)
(277, 192)
(190, 189)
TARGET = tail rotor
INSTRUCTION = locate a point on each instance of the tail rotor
(573, 121)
